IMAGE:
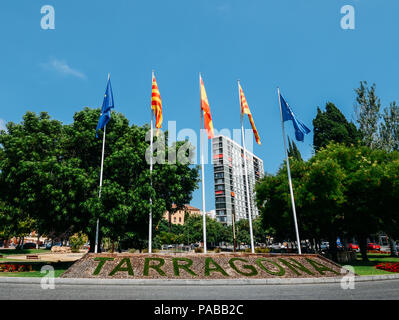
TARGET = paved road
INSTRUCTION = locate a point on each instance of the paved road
(385, 289)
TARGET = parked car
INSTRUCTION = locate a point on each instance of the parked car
(29, 245)
(373, 246)
(56, 244)
(353, 246)
(324, 245)
(275, 246)
(339, 244)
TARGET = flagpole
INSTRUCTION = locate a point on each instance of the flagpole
(203, 176)
(151, 150)
(101, 184)
(246, 175)
(289, 176)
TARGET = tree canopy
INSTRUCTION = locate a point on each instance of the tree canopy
(341, 190)
(331, 125)
(50, 175)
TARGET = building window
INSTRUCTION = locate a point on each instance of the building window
(219, 175)
(179, 219)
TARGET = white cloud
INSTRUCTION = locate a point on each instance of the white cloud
(62, 67)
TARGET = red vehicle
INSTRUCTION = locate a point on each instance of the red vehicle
(353, 246)
(373, 246)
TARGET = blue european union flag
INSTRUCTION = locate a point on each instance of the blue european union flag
(108, 104)
(288, 114)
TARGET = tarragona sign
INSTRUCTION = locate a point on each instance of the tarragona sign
(202, 266)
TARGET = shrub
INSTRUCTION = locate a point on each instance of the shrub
(132, 250)
(77, 241)
(199, 250)
(258, 250)
(146, 250)
(217, 250)
(262, 250)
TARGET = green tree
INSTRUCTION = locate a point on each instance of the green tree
(340, 190)
(320, 197)
(216, 232)
(243, 235)
(33, 174)
(175, 179)
(368, 113)
(389, 128)
(331, 125)
(293, 151)
(50, 173)
(274, 203)
(124, 205)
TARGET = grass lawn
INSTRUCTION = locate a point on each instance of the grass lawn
(367, 268)
(59, 269)
(10, 252)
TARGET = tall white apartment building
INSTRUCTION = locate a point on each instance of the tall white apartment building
(229, 175)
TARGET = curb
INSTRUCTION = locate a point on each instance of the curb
(182, 282)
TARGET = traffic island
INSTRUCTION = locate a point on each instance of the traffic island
(203, 266)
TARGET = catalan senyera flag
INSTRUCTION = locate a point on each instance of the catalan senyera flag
(156, 104)
(245, 110)
(207, 111)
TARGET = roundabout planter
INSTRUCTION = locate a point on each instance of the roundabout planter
(202, 266)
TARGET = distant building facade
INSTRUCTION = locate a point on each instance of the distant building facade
(229, 178)
(178, 216)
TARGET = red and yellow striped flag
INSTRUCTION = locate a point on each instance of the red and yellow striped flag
(156, 104)
(207, 111)
(245, 110)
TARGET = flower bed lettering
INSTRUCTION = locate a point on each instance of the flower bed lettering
(202, 266)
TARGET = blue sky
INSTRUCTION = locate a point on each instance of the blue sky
(296, 45)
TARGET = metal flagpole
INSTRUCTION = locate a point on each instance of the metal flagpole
(203, 176)
(151, 150)
(101, 183)
(289, 177)
(234, 231)
(246, 175)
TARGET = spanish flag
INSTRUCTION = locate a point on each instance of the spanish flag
(207, 111)
(156, 104)
(245, 110)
